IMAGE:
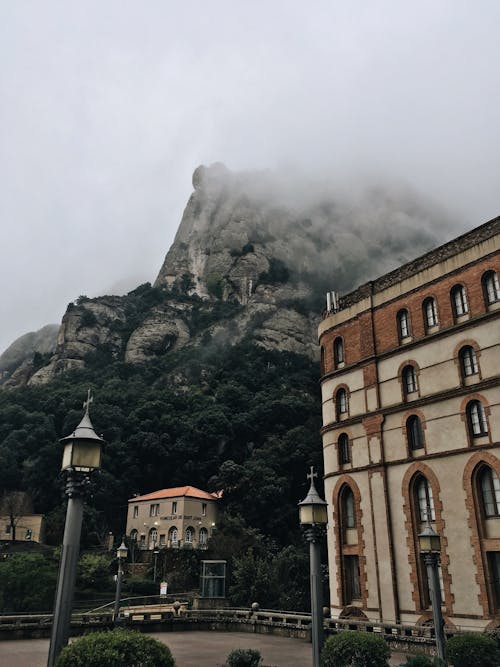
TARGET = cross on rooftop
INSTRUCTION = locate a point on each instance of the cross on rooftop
(90, 399)
(312, 475)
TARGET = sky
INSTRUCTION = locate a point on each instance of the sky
(107, 107)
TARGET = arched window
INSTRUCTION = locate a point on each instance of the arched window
(189, 534)
(348, 512)
(414, 433)
(476, 419)
(173, 535)
(403, 320)
(323, 367)
(409, 380)
(351, 574)
(491, 287)
(133, 535)
(344, 449)
(468, 361)
(341, 404)
(459, 301)
(424, 500)
(153, 538)
(429, 309)
(203, 536)
(338, 352)
(490, 492)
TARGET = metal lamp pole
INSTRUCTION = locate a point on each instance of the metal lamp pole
(121, 554)
(82, 455)
(313, 518)
(430, 548)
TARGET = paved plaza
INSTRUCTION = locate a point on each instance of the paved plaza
(190, 649)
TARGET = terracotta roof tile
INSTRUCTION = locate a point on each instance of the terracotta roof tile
(177, 491)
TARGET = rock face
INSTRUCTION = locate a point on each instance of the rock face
(252, 258)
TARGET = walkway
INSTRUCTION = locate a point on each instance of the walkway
(190, 649)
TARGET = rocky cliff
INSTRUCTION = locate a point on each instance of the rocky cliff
(252, 257)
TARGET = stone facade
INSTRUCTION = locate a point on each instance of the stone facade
(411, 430)
(171, 518)
(29, 528)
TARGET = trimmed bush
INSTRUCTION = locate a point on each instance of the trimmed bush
(472, 649)
(244, 657)
(116, 649)
(355, 649)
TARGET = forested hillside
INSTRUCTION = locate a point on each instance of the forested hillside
(239, 418)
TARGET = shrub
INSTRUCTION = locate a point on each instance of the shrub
(423, 661)
(244, 657)
(472, 649)
(495, 635)
(115, 649)
(355, 649)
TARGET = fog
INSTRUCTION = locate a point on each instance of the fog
(107, 107)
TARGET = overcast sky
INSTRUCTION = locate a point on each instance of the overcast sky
(106, 108)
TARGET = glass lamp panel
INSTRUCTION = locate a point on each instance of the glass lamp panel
(306, 514)
(122, 551)
(424, 542)
(86, 456)
(66, 460)
(320, 514)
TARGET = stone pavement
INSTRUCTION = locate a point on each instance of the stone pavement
(190, 649)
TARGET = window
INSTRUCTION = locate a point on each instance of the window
(173, 535)
(154, 509)
(338, 352)
(491, 287)
(459, 301)
(403, 324)
(133, 535)
(203, 509)
(476, 419)
(425, 501)
(174, 507)
(323, 368)
(203, 536)
(136, 511)
(352, 579)
(341, 403)
(468, 361)
(490, 492)
(162, 540)
(430, 312)
(409, 380)
(348, 513)
(153, 538)
(189, 535)
(414, 433)
(494, 567)
(344, 449)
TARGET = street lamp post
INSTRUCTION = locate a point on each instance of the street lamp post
(430, 548)
(81, 456)
(156, 551)
(313, 518)
(121, 554)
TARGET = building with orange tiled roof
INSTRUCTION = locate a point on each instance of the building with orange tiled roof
(182, 516)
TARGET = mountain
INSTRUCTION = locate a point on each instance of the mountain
(20, 355)
(252, 259)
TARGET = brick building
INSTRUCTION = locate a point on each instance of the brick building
(411, 432)
(177, 517)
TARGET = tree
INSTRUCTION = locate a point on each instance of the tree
(14, 505)
(27, 583)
